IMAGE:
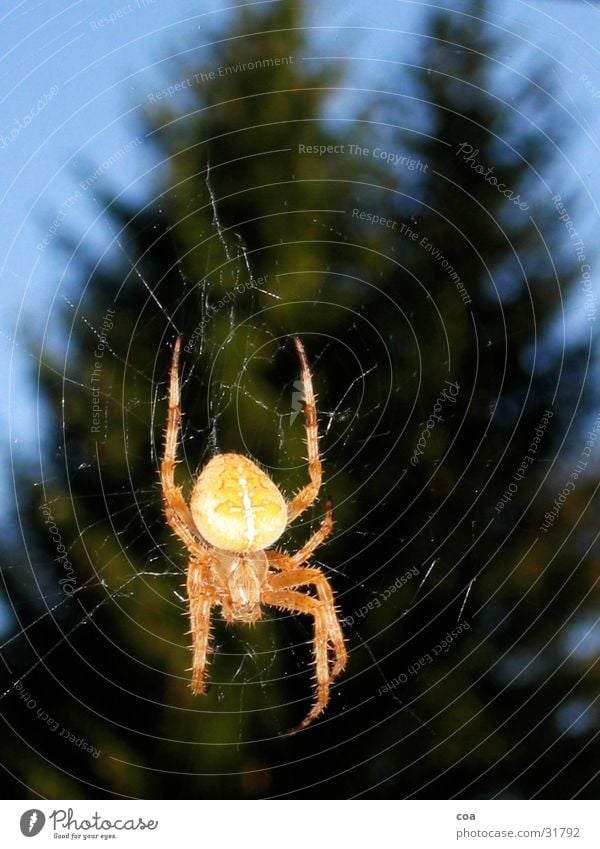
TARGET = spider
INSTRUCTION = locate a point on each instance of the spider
(235, 514)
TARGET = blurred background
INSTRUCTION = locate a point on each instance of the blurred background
(411, 189)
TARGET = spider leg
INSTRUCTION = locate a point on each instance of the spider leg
(176, 510)
(201, 601)
(300, 603)
(292, 561)
(308, 493)
(313, 577)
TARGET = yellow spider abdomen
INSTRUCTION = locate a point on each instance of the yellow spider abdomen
(236, 506)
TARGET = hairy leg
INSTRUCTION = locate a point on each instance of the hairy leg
(176, 510)
(300, 603)
(201, 598)
(313, 577)
(308, 493)
(293, 561)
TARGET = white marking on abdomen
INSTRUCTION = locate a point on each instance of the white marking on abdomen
(248, 511)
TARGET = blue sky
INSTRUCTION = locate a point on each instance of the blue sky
(75, 75)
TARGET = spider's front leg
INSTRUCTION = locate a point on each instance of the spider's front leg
(201, 598)
(300, 603)
(294, 576)
(314, 577)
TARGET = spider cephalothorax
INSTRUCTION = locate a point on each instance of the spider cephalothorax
(235, 514)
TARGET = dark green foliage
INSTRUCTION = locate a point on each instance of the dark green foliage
(390, 335)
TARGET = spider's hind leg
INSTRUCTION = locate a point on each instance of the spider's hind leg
(309, 492)
(177, 511)
(201, 599)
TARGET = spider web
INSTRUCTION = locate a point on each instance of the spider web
(393, 577)
(112, 590)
